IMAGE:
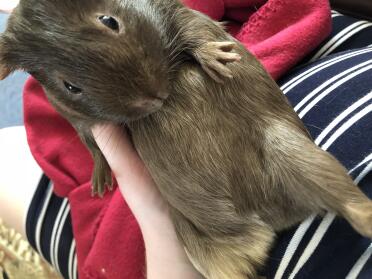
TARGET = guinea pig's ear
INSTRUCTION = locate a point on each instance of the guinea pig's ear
(5, 68)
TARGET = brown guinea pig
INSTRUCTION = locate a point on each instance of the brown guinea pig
(232, 159)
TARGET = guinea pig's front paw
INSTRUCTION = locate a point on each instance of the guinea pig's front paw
(213, 57)
(101, 179)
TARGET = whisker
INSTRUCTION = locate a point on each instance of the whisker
(108, 140)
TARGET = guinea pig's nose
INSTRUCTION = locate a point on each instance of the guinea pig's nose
(162, 95)
(148, 104)
(152, 105)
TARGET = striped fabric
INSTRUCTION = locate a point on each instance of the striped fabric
(333, 96)
(49, 230)
(348, 33)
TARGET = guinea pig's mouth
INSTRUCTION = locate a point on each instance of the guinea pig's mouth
(162, 99)
(141, 107)
(147, 105)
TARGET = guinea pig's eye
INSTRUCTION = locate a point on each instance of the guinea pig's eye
(110, 22)
(72, 89)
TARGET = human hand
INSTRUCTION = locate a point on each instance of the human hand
(165, 256)
(135, 182)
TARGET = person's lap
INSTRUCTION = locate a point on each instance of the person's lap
(19, 177)
(27, 203)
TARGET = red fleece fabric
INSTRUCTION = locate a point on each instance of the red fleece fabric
(108, 240)
(278, 32)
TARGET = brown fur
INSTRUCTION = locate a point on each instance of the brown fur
(233, 160)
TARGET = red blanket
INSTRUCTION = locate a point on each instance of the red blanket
(109, 243)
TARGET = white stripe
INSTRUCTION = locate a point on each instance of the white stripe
(292, 246)
(342, 116)
(75, 267)
(57, 222)
(314, 242)
(71, 259)
(345, 38)
(334, 40)
(40, 220)
(310, 72)
(58, 238)
(363, 174)
(347, 125)
(329, 82)
(330, 89)
(336, 15)
(365, 160)
(357, 268)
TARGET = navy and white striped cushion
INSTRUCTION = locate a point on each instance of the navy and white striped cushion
(333, 97)
(347, 33)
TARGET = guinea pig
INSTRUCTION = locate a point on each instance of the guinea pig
(228, 153)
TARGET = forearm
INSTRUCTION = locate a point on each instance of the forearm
(165, 257)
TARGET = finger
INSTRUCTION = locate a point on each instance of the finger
(134, 180)
(112, 141)
(119, 152)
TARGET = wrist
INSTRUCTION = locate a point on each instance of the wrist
(165, 255)
(156, 225)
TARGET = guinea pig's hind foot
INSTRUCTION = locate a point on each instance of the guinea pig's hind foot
(360, 217)
(213, 57)
(101, 179)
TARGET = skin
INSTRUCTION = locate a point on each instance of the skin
(165, 256)
(8, 6)
(233, 162)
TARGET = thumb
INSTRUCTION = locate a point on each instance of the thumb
(119, 152)
(135, 182)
